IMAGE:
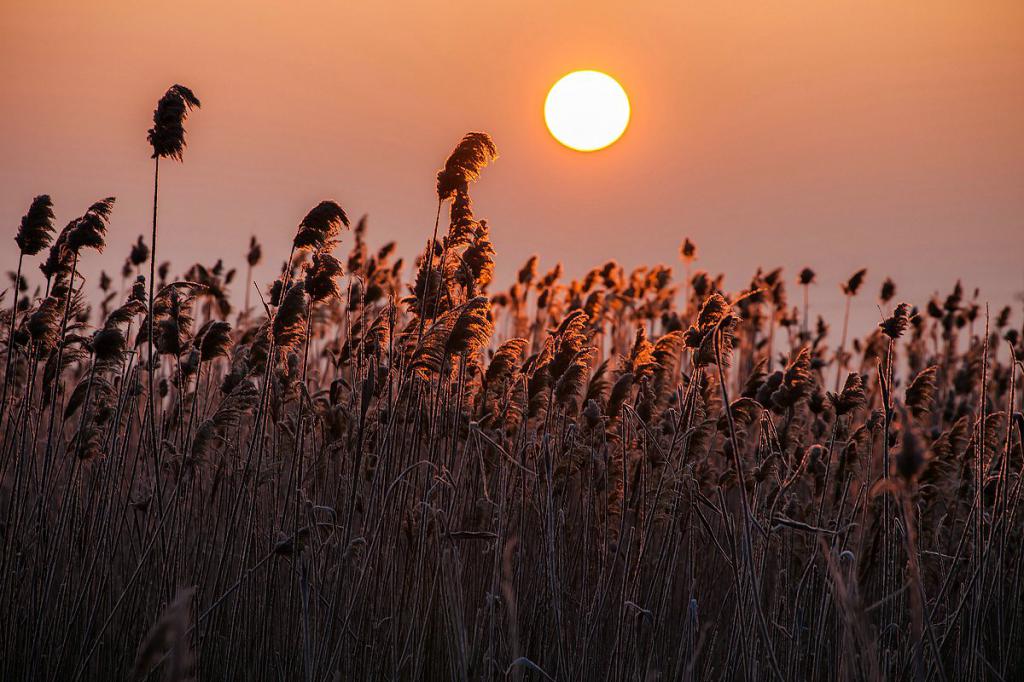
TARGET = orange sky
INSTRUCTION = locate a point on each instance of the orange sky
(860, 134)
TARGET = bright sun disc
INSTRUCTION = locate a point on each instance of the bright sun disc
(586, 110)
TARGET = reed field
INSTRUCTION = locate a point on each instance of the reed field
(370, 469)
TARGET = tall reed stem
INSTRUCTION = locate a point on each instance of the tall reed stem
(10, 338)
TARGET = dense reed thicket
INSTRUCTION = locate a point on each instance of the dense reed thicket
(620, 477)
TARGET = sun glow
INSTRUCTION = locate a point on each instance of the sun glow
(586, 110)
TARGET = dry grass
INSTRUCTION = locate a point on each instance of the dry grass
(617, 477)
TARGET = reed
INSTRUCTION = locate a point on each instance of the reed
(388, 472)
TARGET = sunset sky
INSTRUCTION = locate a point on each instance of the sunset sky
(881, 134)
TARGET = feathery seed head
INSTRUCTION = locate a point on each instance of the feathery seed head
(167, 136)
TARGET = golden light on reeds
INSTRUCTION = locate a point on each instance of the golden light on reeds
(444, 470)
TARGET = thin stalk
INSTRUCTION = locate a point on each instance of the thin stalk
(10, 339)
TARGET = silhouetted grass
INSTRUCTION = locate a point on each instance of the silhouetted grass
(616, 477)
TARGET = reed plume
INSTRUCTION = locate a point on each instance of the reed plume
(290, 319)
(36, 229)
(322, 277)
(500, 371)
(619, 394)
(888, 290)
(58, 258)
(174, 327)
(715, 314)
(528, 272)
(894, 325)
(852, 396)
(688, 251)
(239, 402)
(920, 394)
(852, 285)
(172, 316)
(90, 231)
(252, 258)
(478, 260)
(568, 340)
(167, 136)
(472, 328)
(139, 253)
(465, 163)
(428, 355)
(214, 340)
(108, 345)
(505, 358)
(255, 253)
(44, 323)
(321, 226)
(431, 294)
(461, 330)
(797, 381)
(570, 383)
(463, 224)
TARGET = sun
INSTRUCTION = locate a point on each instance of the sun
(586, 110)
